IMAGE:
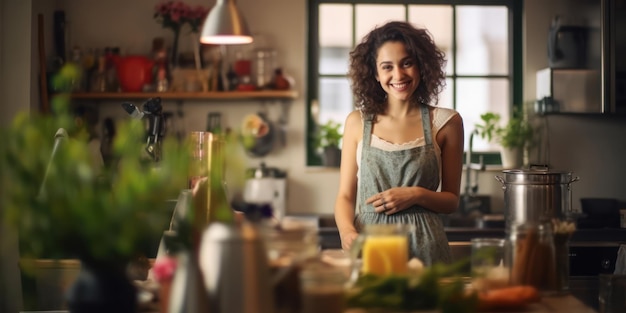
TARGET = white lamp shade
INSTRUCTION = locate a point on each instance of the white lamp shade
(225, 25)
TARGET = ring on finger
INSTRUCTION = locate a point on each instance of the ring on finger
(385, 206)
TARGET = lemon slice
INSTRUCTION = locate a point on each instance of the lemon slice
(385, 261)
(385, 255)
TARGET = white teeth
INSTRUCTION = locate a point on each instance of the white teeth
(399, 86)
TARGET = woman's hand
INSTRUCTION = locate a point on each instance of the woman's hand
(393, 200)
(347, 239)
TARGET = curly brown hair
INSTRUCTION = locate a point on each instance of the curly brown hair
(369, 95)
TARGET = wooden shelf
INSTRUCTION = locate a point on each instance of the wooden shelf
(213, 95)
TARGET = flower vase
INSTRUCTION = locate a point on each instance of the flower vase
(331, 157)
(102, 287)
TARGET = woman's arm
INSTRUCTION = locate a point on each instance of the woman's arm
(450, 140)
(346, 197)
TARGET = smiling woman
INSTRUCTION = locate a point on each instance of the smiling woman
(479, 72)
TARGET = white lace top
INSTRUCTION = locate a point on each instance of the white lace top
(441, 116)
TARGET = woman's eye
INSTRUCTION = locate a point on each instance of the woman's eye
(408, 63)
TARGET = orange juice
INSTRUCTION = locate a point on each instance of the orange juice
(385, 255)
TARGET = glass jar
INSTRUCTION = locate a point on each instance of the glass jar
(264, 65)
(487, 264)
(531, 256)
(323, 288)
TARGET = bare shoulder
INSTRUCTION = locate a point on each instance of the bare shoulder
(353, 125)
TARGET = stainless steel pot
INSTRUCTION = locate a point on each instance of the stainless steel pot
(536, 195)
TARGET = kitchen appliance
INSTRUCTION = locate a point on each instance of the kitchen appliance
(569, 91)
(267, 185)
(536, 195)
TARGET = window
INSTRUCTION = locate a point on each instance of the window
(478, 37)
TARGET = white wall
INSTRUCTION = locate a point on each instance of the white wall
(14, 96)
(130, 25)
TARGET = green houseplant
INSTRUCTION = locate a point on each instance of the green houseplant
(514, 137)
(327, 141)
(64, 206)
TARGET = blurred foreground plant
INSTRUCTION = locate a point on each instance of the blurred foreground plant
(83, 211)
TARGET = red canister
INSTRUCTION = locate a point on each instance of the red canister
(134, 72)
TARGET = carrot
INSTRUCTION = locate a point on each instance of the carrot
(513, 297)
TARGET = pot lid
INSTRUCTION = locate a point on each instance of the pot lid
(538, 175)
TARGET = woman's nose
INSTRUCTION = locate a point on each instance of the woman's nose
(398, 72)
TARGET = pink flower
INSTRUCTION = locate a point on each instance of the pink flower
(175, 14)
(164, 269)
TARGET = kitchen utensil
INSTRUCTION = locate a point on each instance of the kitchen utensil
(214, 122)
(133, 72)
(261, 142)
(536, 195)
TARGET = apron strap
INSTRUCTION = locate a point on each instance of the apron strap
(428, 137)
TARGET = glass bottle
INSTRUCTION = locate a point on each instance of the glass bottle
(198, 167)
(219, 209)
(207, 180)
(531, 256)
(99, 79)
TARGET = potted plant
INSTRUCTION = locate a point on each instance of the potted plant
(64, 206)
(327, 140)
(514, 137)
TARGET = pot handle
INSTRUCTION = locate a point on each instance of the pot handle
(501, 180)
(539, 167)
(575, 179)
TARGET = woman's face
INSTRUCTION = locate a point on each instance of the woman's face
(396, 71)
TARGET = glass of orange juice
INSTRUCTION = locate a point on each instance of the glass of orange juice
(384, 249)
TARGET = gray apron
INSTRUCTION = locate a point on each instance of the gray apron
(417, 166)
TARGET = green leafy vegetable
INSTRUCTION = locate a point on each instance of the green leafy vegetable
(436, 288)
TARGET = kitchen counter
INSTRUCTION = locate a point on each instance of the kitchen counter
(560, 304)
(329, 236)
(552, 304)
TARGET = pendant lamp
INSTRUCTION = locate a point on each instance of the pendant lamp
(225, 25)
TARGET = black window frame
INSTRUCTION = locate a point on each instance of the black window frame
(515, 55)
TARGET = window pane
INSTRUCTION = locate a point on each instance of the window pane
(370, 15)
(482, 40)
(476, 96)
(334, 60)
(335, 99)
(445, 98)
(335, 25)
(438, 20)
